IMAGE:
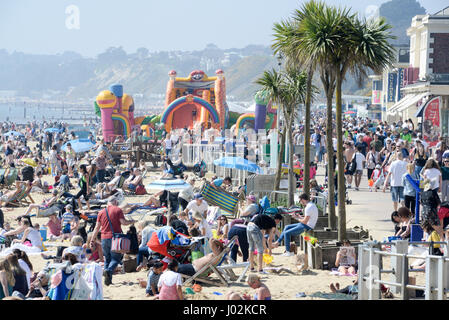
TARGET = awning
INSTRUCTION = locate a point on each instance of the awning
(408, 101)
(413, 101)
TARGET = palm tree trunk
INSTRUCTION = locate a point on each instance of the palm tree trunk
(277, 180)
(306, 178)
(291, 174)
(332, 219)
(340, 164)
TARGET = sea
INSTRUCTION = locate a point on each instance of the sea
(26, 113)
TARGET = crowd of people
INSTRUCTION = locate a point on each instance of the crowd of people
(91, 189)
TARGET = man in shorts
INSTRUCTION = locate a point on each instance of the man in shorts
(260, 225)
(360, 161)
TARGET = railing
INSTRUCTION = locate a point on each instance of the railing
(371, 268)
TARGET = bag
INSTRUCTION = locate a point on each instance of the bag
(264, 203)
(140, 190)
(352, 165)
(161, 220)
(121, 243)
(271, 211)
(129, 264)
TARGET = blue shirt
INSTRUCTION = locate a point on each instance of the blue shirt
(218, 182)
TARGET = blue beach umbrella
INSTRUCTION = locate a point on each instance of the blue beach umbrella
(13, 133)
(79, 145)
(238, 163)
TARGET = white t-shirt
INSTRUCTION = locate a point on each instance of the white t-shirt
(311, 211)
(359, 158)
(170, 278)
(205, 225)
(192, 206)
(397, 169)
(433, 175)
(168, 144)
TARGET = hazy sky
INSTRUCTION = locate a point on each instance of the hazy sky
(42, 26)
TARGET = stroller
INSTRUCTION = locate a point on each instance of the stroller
(175, 170)
(172, 244)
(109, 174)
(200, 169)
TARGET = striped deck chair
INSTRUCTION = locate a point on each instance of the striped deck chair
(220, 198)
(212, 267)
(20, 198)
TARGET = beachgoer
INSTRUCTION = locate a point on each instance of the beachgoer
(170, 283)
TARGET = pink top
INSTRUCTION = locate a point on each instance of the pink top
(54, 227)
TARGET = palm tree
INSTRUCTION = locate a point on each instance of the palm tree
(307, 40)
(288, 89)
(362, 45)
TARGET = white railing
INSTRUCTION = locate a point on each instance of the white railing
(371, 268)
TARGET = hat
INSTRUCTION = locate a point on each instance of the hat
(251, 197)
(378, 166)
(198, 196)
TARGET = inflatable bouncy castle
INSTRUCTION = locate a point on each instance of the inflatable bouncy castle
(264, 117)
(197, 99)
(117, 112)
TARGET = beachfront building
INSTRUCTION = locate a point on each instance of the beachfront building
(422, 88)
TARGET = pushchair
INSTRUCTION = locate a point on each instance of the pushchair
(172, 244)
(337, 190)
(200, 169)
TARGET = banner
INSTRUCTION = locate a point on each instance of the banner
(376, 97)
(392, 86)
(400, 83)
(431, 121)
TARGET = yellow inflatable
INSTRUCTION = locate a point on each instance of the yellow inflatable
(30, 162)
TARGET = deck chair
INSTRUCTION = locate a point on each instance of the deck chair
(220, 198)
(228, 269)
(20, 198)
(212, 267)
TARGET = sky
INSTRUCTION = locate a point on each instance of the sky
(91, 26)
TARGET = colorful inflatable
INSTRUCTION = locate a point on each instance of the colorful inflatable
(195, 99)
(264, 117)
(117, 112)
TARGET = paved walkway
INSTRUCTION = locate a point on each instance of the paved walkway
(370, 210)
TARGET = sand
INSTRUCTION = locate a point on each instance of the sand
(282, 287)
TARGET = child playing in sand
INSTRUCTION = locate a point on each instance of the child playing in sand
(253, 280)
(153, 279)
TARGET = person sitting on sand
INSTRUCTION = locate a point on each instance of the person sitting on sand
(30, 234)
(197, 205)
(77, 249)
(38, 288)
(346, 259)
(153, 279)
(145, 231)
(190, 269)
(170, 283)
(94, 252)
(133, 181)
(69, 223)
(54, 227)
(351, 289)
(253, 280)
(46, 203)
(38, 185)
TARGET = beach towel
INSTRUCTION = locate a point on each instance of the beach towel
(28, 250)
(93, 276)
(332, 296)
(222, 199)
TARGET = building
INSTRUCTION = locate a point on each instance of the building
(420, 91)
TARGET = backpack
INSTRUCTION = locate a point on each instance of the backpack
(264, 203)
(28, 173)
(161, 220)
(140, 190)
